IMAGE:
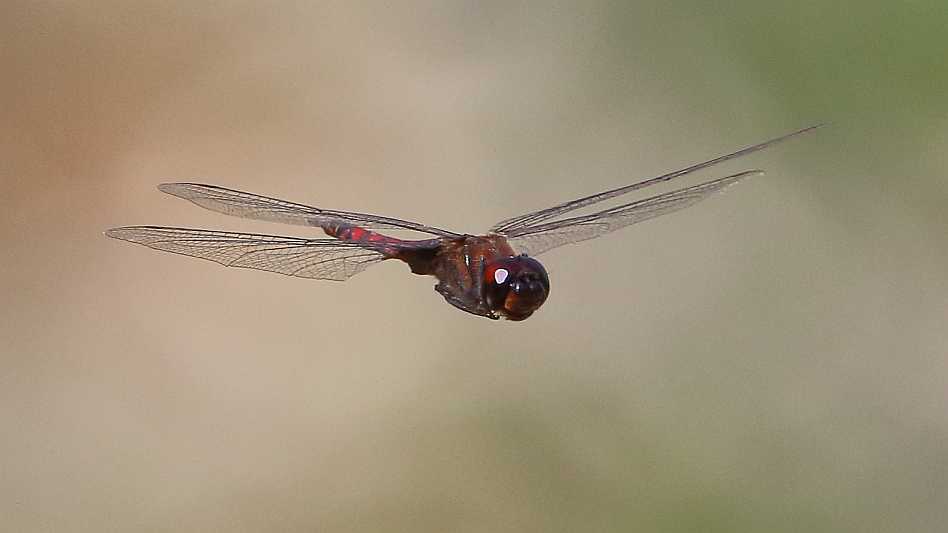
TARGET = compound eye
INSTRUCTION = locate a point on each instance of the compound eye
(500, 275)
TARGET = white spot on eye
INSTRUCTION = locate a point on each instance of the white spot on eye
(500, 275)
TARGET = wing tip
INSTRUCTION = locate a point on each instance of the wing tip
(172, 188)
(121, 234)
(131, 233)
(734, 179)
(816, 126)
(175, 187)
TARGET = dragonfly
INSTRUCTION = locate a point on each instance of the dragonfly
(493, 275)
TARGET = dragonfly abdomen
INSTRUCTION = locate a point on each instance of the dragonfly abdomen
(353, 233)
(418, 254)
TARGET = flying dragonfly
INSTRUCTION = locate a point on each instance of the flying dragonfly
(494, 275)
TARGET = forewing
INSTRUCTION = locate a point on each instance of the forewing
(537, 239)
(247, 205)
(511, 225)
(305, 258)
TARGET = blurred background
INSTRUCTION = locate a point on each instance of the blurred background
(773, 359)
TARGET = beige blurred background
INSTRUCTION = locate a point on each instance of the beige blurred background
(771, 360)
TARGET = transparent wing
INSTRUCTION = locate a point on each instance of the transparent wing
(247, 205)
(510, 225)
(537, 239)
(305, 258)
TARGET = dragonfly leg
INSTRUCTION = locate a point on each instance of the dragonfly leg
(465, 302)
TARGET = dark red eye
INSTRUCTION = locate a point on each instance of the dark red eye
(515, 287)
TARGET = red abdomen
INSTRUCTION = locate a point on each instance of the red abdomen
(418, 254)
(352, 233)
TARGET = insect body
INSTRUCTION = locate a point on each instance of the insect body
(493, 275)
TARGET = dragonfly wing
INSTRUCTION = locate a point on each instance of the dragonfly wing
(305, 258)
(247, 205)
(511, 225)
(537, 239)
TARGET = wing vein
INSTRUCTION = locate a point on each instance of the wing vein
(511, 225)
(308, 258)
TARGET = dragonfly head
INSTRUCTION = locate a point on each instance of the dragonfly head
(515, 287)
